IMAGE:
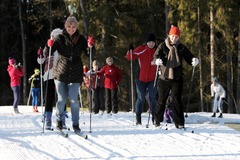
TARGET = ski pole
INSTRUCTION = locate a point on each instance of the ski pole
(156, 74)
(131, 66)
(190, 90)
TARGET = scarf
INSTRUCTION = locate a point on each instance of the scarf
(172, 59)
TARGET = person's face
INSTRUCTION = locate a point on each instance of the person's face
(173, 38)
(95, 67)
(109, 63)
(71, 28)
(151, 44)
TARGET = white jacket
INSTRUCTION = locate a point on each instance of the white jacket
(217, 91)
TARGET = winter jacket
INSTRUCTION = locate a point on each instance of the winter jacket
(145, 71)
(48, 73)
(68, 67)
(183, 53)
(96, 80)
(113, 76)
(15, 74)
(217, 91)
(35, 81)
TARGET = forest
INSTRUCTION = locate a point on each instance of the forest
(209, 28)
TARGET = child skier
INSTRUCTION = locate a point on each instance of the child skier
(218, 95)
(35, 81)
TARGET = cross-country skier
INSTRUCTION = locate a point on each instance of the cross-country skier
(35, 82)
(169, 56)
(49, 81)
(145, 74)
(97, 88)
(15, 72)
(68, 70)
(218, 94)
(113, 78)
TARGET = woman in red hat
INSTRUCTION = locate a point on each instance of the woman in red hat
(169, 56)
(15, 72)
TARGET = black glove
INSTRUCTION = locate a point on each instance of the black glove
(131, 47)
(223, 99)
(212, 98)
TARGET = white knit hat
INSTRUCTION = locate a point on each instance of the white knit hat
(56, 32)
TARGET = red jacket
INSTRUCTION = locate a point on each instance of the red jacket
(146, 72)
(113, 76)
(15, 75)
(96, 81)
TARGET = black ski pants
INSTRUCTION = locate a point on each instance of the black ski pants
(164, 87)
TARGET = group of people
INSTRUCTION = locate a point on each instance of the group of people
(103, 84)
(64, 72)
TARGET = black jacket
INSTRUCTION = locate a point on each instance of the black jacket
(183, 53)
(68, 67)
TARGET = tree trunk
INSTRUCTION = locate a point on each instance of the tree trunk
(84, 16)
(200, 61)
(238, 76)
(212, 43)
(23, 52)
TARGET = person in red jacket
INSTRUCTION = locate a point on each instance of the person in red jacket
(97, 88)
(145, 75)
(15, 72)
(113, 77)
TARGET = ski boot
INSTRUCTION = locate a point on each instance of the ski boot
(76, 128)
(138, 120)
(220, 116)
(214, 115)
(48, 125)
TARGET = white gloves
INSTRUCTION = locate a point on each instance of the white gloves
(195, 62)
(159, 62)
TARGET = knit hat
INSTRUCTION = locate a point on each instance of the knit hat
(71, 20)
(151, 37)
(174, 30)
(56, 32)
(36, 71)
(11, 60)
(109, 59)
(215, 79)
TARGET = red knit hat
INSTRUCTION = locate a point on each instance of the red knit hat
(174, 30)
(11, 61)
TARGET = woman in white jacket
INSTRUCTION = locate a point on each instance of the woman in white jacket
(218, 94)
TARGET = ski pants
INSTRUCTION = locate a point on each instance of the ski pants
(141, 88)
(164, 87)
(35, 96)
(16, 95)
(217, 104)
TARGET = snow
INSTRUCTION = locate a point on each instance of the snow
(116, 137)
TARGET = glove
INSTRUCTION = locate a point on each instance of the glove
(223, 99)
(195, 62)
(159, 62)
(50, 42)
(85, 69)
(90, 41)
(40, 52)
(131, 48)
(212, 98)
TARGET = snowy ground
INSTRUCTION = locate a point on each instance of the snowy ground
(115, 137)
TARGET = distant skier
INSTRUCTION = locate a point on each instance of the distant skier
(35, 81)
(15, 72)
(218, 94)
